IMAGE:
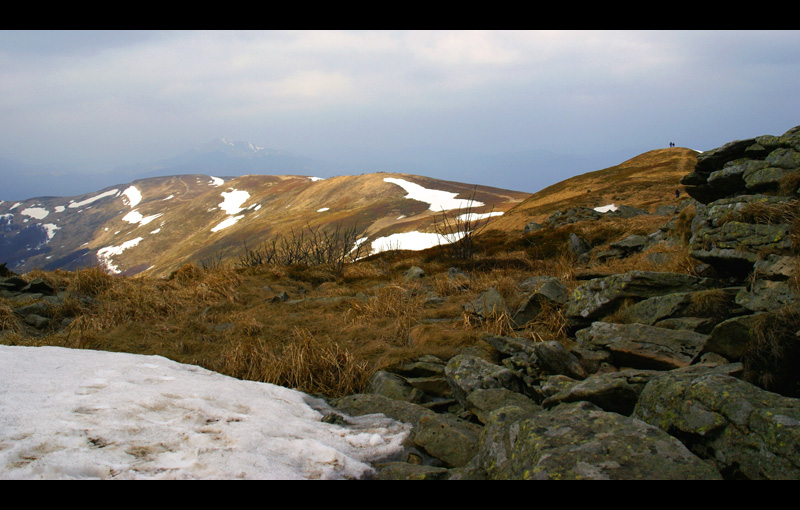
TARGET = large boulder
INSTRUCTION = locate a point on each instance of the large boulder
(592, 300)
(643, 346)
(745, 431)
(581, 441)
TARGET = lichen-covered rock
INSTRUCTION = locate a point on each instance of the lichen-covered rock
(467, 373)
(581, 441)
(549, 357)
(600, 296)
(447, 438)
(483, 403)
(615, 392)
(745, 431)
(490, 304)
(643, 346)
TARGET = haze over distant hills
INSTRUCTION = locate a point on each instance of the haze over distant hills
(527, 171)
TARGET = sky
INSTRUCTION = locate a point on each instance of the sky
(89, 101)
(83, 414)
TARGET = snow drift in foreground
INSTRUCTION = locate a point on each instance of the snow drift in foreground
(69, 413)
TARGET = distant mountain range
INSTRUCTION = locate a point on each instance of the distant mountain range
(156, 224)
(526, 171)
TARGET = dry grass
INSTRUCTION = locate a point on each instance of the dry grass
(774, 352)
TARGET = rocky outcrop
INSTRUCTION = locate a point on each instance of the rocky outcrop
(667, 375)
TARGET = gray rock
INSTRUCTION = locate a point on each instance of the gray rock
(745, 431)
(615, 392)
(731, 338)
(467, 373)
(488, 305)
(414, 273)
(581, 441)
(394, 386)
(594, 299)
(482, 403)
(642, 346)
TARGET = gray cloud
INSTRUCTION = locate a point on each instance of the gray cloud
(99, 99)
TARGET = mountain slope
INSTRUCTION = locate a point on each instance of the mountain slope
(645, 181)
(154, 225)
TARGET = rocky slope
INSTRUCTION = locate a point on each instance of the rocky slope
(668, 375)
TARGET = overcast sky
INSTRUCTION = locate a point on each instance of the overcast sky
(95, 100)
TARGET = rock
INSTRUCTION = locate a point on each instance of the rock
(467, 373)
(600, 296)
(581, 441)
(39, 286)
(615, 392)
(642, 346)
(407, 471)
(543, 292)
(488, 305)
(549, 357)
(532, 227)
(717, 304)
(414, 273)
(732, 338)
(745, 431)
(484, 402)
(393, 386)
(448, 439)
(577, 245)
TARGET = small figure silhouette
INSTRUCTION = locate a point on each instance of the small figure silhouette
(677, 193)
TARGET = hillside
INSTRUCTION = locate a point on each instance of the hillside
(154, 225)
(645, 181)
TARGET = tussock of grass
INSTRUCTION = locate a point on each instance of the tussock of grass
(773, 355)
(306, 363)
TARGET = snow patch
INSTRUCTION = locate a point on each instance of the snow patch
(324, 209)
(134, 196)
(438, 200)
(105, 254)
(169, 197)
(414, 241)
(75, 205)
(51, 230)
(59, 208)
(136, 217)
(478, 216)
(216, 181)
(316, 179)
(230, 220)
(35, 212)
(233, 201)
(606, 208)
(85, 414)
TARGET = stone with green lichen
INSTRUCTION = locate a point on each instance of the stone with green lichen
(745, 431)
(580, 441)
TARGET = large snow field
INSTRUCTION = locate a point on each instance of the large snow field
(81, 414)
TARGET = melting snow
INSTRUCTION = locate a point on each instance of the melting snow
(75, 205)
(136, 217)
(230, 220)
(51, 230)
(477, 216)
(233, 201)
(80, 414)
(14, 206)
(59, 208)
(413, 241)
(316, 179)
(35, 212)
(134, 196)
(606, 208)
(105, 254)
(169, 197)
(324, 209)
(216, 181)
(438, 200)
